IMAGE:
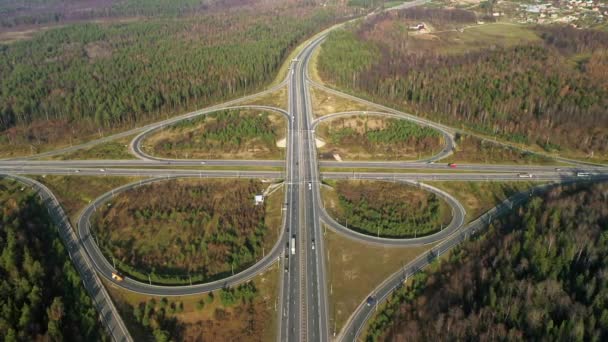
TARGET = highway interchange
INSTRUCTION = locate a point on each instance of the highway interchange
(303, 310)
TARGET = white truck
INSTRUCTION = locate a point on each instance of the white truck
(293, 244)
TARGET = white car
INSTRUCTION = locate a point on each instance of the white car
(309, 186)
(102, 170)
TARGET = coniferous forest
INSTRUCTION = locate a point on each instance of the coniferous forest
(82, 81)
(549, 89)
(539, 274)
(41, 293)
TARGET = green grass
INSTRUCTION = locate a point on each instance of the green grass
(386, 209)
(479, 197)
(226, 134)
(478, 37)
(117, 149)
(361, 137)
(354, 269)
(471, 149)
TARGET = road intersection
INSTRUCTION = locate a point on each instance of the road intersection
(303, 310)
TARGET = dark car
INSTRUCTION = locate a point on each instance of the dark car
(371, 301)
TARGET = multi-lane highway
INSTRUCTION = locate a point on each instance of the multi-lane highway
(300, 249)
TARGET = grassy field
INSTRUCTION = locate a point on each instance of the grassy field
(116, 149)
(251, 321)
(361, 137)
(354, 269)
(470, 149)
(324, 103)
(385, 209)
(76, 192)
(229, 134)
(188, 230)
(479, 197)
(472, 38)
(274, 99)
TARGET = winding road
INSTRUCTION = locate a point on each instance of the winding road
(303, 309)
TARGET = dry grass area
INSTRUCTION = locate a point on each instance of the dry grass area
(115, 149)
(324, 103)
(277, 99)
(188, 230)
(354, 269)
(471, 149)
(479, 197)
(76, 192)
(256, 321)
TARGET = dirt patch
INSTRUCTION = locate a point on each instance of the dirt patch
(98, 50)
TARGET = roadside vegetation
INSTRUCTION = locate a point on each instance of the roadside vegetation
(479, 197)
(489, 79)
(71, 84)
(324, 103)
(115, 149)
(376, 138)
(227, 134)
(354, 269)
(536, 274)
(471, 149)
(76, 192)
(187, 231)
(278, 99)
(42, 296)
(386, 209)
(245, 313)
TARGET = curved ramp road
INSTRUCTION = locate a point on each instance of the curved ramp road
(451, 129)
(357, 321)
(458, 216)
(146, 127)
(303, 293)
(105, 268)
(136, 143)
(107, 311)
(448, 138)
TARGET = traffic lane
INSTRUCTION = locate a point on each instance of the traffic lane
(143, 172)
(141, 163)
(448, 138)
(477, 176)
(360, 316)
(136, 144)
(458, 217)
(108, 313)
(459, 166)
(103, 266)
(143, 128)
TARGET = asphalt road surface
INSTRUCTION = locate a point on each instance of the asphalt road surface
(299, 251)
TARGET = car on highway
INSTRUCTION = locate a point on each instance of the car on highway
(452, 165)
(203, 163)
(309, 186)
(102, 170)
(117, 276)
(370, 301)
(313, 245)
